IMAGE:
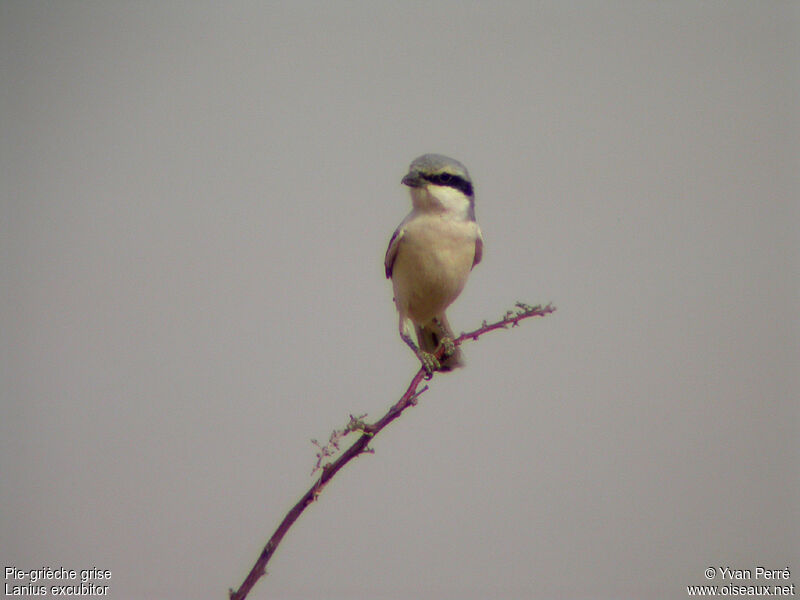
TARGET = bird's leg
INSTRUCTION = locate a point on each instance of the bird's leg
(445, 340)
(429, 361)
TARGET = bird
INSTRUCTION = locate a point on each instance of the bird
(431, 255)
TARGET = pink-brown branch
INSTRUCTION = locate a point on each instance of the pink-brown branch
(369, 431)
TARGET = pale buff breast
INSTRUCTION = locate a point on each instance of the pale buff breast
(432, 265)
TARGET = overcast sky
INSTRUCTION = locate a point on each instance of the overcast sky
(195, 201)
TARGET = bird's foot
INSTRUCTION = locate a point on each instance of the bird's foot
(429, 362)
(448, 345)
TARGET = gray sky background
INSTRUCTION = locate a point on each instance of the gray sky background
(195, 202)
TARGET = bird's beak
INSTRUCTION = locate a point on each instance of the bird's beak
(412, 180)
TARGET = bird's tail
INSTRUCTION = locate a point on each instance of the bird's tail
(430, 335)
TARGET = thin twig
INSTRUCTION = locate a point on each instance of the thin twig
(369, 431)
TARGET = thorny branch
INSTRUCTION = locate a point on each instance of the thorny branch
(368, 432)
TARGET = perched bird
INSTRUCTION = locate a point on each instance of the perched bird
(431, 254)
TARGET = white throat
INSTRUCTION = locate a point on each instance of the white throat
(441, 199)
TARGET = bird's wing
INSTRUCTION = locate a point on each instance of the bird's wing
(478, 249)
(391, 251)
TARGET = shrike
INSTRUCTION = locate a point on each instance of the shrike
(431, 254)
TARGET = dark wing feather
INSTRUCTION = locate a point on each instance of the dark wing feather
(478, 250)
(391, 251)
